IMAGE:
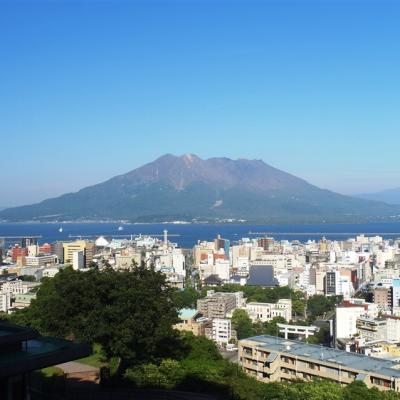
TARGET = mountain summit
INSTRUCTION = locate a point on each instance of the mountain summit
(190, 188)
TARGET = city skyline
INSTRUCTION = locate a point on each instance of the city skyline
(93, 90)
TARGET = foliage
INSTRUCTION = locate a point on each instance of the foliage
(271, 327)
(318, 304)
(320, 337)
(242, 324)
(203, 369)
(186, 298)
(129, 313)
(27, 278)
(265, 295)
(96, 359)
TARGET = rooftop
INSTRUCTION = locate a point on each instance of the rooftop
(23, 350)
(187, 313)
(329, 355)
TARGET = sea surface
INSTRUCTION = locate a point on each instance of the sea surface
(187, 235)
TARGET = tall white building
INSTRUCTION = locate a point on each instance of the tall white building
(78, 259)
(221, 330)
(346, 321)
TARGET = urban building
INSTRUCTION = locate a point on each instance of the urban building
(220, 331)
(192, 321)
(382, 296)
(86, 246)
(272, 359)
(265, 312)
(217, 305)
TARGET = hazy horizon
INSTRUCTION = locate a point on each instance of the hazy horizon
(95, 89)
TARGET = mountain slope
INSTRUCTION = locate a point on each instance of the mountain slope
(188, 188)
(390, 196)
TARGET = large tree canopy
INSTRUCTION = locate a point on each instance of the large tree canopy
(130, 313)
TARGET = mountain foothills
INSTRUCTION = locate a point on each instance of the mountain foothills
(391, 196)
(189, 188)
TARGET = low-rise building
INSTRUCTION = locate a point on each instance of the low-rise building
(192, 321)
(273, 359)
(372, 328)
(265, 312)
(41, 260)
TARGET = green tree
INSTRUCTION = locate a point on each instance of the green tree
(317, 305)
(242, 323)
(129, 313)
(27, 278)
(186, 298)
(358, 390)
(271, 327)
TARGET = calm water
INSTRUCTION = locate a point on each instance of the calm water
(188, 235)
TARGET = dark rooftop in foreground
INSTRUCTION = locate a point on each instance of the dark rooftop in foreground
(23, 350)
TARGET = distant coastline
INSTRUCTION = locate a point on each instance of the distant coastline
(355, 219)
(187, 235)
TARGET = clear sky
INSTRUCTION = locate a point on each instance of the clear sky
(92, 89)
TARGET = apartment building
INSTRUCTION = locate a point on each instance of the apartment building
(382, 296)
(41, 260)
(271, 359)
(372, 328)
(386, 327)
(217, 305)
(221, 331)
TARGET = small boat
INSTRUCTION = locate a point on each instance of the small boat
(120, 228)
(60, 229)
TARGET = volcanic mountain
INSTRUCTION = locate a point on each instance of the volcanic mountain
(190, 188)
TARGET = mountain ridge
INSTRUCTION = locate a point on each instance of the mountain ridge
(216, 189)
(390, 196)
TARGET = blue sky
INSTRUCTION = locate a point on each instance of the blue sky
(91, 89)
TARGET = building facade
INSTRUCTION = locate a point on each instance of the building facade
(273, 359)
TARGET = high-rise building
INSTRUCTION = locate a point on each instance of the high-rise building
(86, 246)
(382, 297)
(58, 249)
(396, 292)
(29, 241)
(330, 283)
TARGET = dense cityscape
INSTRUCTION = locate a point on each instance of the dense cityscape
(280, 310)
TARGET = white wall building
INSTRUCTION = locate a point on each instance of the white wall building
(267, 311)
(346, 321)
(5, 301)
(41, 261)
(78, 260)
(221, 330)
